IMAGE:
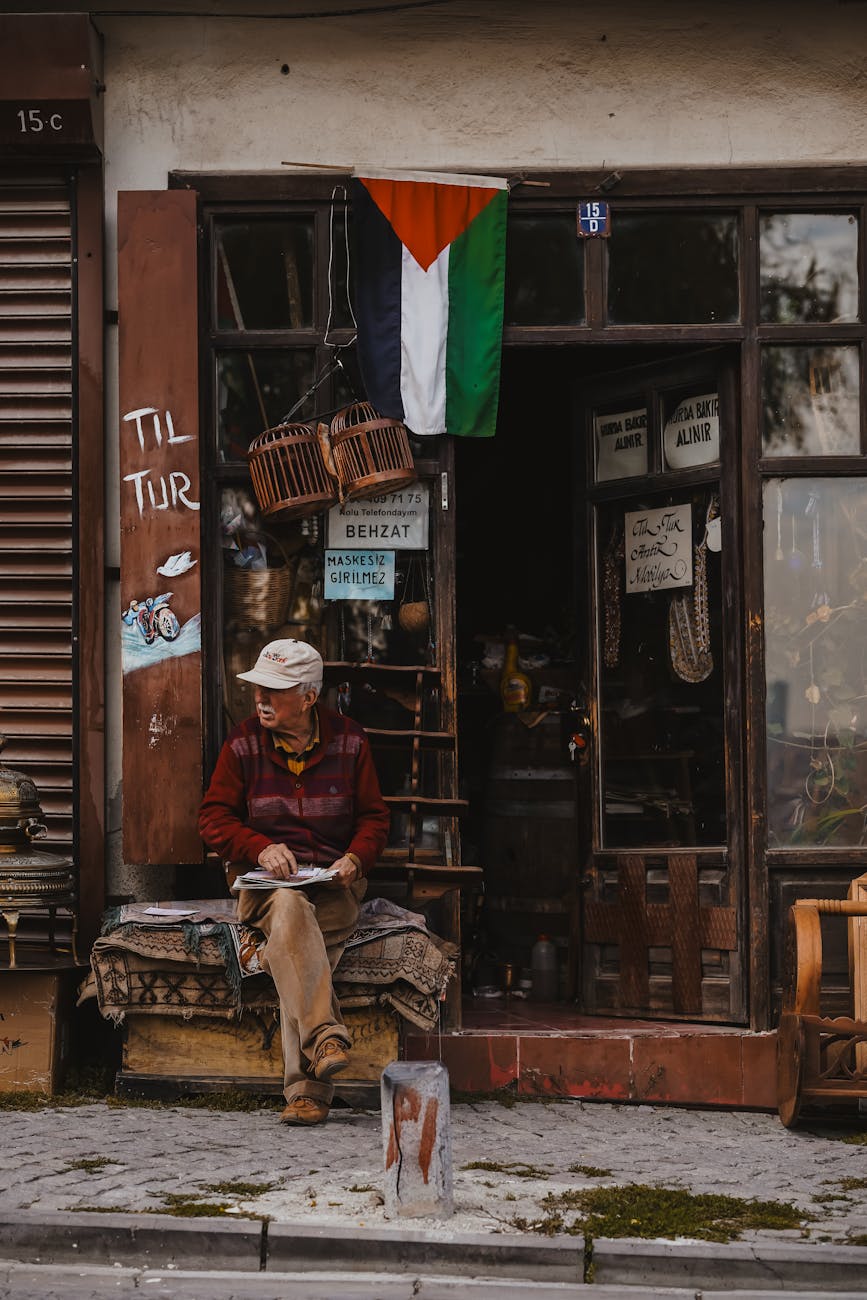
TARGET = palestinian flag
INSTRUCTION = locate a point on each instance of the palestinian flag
(430, 258)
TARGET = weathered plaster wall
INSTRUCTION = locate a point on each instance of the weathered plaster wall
(510, 84)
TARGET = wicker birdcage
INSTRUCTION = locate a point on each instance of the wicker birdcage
(371, 455)
(289, 475)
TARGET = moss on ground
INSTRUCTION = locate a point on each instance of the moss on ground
(515, 1169)
(89, 1164)
(243, 1190)
(641, 1211)
(227, 1101)
(589, 1171)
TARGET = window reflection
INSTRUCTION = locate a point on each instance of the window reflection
(815, 572)
(810, 399)
(544, 270)
(809, 267)
(255, 390)
(662, 729)
(673, 268)
(265, 274)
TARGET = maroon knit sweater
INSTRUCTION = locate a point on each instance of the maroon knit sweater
(333, 807)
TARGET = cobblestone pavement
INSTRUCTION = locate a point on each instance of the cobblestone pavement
(131, 1158)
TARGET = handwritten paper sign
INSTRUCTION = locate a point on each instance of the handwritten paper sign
(359, 575)
(398, 520)
(621, 444)
(658, 549)
(691, 434)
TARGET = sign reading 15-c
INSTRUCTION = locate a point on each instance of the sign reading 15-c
(32, 120)
(593, 219)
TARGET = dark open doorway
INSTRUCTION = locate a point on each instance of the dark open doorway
(521, 570)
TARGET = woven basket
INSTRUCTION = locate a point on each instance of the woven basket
(259, 597)
(371, 455)
(288, 472)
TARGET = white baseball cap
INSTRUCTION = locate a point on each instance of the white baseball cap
(284, 664)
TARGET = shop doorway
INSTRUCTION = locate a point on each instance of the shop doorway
(599, 534)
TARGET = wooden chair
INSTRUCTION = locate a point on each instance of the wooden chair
(822, 1059)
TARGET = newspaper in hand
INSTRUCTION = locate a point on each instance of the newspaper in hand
(304, 876)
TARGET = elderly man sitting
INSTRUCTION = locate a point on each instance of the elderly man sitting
(296, 785)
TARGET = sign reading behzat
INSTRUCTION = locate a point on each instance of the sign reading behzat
(658, 548)
(621, 444)
(398, 520)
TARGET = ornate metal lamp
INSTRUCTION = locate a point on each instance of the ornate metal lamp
(29, 878)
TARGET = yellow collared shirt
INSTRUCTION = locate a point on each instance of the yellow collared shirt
(296, 761)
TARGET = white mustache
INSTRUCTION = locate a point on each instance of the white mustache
(265, 711)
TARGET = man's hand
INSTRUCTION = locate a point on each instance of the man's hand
(347, 871)
(279, 860)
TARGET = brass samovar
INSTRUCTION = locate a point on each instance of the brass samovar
(29, 878)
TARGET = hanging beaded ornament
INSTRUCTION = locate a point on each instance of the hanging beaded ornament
(612, 592)
(689, 617)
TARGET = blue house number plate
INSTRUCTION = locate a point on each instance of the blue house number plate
(594, 220)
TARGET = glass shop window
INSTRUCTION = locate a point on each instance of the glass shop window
(264, 271)
(811, 400)
(673, 268)
(809, 267)
(544, 270)
(815, 576)
(661, 677)
(254, 390)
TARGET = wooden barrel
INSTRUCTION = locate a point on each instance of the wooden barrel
(530, 830)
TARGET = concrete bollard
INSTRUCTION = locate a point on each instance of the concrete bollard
(417, 1140)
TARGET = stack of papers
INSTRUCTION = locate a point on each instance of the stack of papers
(305, 876)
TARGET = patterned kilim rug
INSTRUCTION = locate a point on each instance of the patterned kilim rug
(210, 967)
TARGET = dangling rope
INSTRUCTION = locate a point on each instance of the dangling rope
(335, 363)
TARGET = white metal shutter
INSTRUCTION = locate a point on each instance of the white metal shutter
(36, 492)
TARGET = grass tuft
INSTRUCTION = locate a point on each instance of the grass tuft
(640, 1211)
(589, 1171)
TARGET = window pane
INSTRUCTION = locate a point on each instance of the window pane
(809, 267)
(672, 268)
(810, 401)
(254, 391)
(662, 729)
(544, 270)
(265, 274)
(815, 629)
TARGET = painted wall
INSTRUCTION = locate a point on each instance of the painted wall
(508, 84)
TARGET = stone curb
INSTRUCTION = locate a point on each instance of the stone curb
(398, 1250)
(158, 1241)
(155, 1240)
(710, 1266)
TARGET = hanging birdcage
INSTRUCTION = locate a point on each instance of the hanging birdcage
(288, 472)
(371, 454)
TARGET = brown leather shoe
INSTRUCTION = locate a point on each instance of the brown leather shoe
(331, 1057)
(305, 1110)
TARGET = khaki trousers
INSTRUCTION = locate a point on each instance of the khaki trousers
(305, 932)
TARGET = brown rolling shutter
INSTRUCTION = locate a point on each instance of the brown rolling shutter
(159, 517)
(36, 493)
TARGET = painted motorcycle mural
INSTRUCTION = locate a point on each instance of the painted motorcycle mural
(153, 618)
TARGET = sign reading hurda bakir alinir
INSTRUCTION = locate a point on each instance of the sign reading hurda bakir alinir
(658, 548)
(398, 520)
(359, 575)
(691, 433)
(621, 444)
